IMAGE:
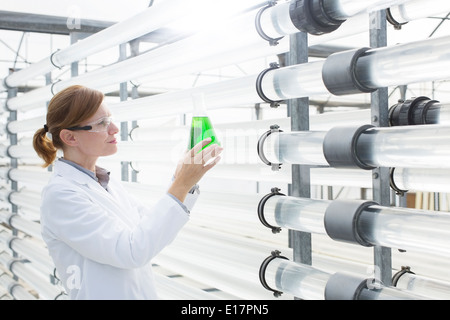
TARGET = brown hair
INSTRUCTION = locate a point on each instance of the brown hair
(68, 108)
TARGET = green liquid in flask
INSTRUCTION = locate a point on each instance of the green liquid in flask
(201, 128)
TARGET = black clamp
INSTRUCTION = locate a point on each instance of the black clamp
(262, 203)
(262, 34)
(262, 271)
(411, 112)
(260, 148)
(394, 187)
(339, 73)
(312, 17)
(390, 18)
(341, 220)
(340, 147)
(399, 274)
(259, 90)
(53, 85)
(52, 61)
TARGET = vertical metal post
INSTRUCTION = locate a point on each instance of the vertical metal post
(124, 125)
(298, 110)
(12, 92)
(380, 118)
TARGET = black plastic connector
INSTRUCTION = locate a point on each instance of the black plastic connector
(312, 17)
(412, 112)
(339, 73)
(344, 286)
(340, 147)
(341, 220)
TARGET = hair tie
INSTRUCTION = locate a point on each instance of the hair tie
(45, 128)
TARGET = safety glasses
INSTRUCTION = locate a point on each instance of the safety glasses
(100, 125)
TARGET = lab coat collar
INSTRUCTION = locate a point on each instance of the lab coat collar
(69, 172)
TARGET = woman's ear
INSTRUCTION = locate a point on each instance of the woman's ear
(68, 137)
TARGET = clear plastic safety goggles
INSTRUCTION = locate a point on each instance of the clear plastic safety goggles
(100, 125)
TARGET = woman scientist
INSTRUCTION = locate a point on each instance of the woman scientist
(101, 239)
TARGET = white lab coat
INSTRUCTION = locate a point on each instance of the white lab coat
(102, 242)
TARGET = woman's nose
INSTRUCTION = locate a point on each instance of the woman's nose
(113, 129)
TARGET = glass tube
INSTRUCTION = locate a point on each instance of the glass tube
(294, 82)
(419, 179)
(419, 61)
(154, 17)
(342, 9)
(296, 147)
(432, 288)
(300, 280)
(418, 9)
(17, 290)
(438, 113)
(296, 213)
(387, 293)
(45, 289)
(422, 146)
(418, 230)
(308, 283)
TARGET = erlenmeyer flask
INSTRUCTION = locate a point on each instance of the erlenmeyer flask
(201, 126)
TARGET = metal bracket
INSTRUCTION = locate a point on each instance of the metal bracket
(259, 90)
(272, 41)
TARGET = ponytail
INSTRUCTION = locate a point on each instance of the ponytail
(44, 147)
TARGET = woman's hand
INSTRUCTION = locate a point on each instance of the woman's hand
(193, 166)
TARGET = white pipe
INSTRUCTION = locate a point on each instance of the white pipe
(35, 279)
(16, 290)
(20, 223)
(432, 288)
(152, 18)
(132, 68)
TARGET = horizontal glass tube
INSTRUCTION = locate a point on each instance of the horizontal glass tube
(422, 146)
(26, 125)
(418, 9)
(422, 231)
(408, 147)
(38, 282)
(342, 9)
(308, 283)
(17, 291)
(387, 293)
(432, 288)
(302, 281)
(152, 18)
(417, 179)
(295, 147)
(296, 213)
(413, 62)
(20, 223)
(438, 113)
(30, 250)
(29, 176)
(127, 69)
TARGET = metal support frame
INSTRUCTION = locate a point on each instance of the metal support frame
(380, 118)
(298, 110)
(124, 125)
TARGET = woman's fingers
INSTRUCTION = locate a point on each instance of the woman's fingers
(199, 146)
(207, 154)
